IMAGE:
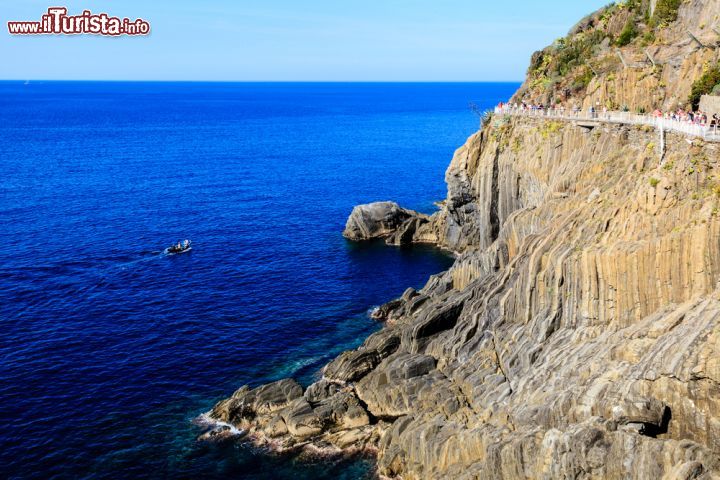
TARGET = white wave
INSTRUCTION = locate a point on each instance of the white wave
(211, 424)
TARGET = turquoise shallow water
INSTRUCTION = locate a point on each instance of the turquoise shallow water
(108, 349)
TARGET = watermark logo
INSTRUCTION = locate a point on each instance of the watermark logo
(57, 22)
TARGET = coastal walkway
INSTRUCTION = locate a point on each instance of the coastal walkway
(591, 120)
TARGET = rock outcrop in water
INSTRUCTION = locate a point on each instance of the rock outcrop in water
(577, 335)
(383, 220)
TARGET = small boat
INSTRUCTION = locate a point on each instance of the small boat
(179, 247)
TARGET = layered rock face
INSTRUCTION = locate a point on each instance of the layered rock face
(577, 335)
(585, 345)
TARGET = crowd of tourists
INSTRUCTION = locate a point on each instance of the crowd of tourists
(698, 118)
(550, 110)
(703, 121)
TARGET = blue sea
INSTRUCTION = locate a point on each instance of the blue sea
(108, 348)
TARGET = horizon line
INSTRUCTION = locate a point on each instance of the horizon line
(257, 81)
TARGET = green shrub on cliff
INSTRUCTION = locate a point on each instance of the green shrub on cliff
(704, 85)
(648, 38)
(576, 51)
(565, 55)
(631, 4)
(628, 33)
(583, 79)
(666, 11)
(549, 129)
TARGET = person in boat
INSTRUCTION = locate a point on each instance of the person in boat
(179, 247)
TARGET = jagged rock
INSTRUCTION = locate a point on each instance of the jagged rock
(301, 419)
(321, 390)
(344, 411)
(405, 233)
(355, 417)
(354, 438)
(385, 342)
(352, 365)
(648, 411)
(380, 220)
(397, 308)
(432, 321)
(404, 383)
(384, 311)
(277, 427)
(247, 402)
(219, 434)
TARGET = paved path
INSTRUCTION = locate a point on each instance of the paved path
(710, 134)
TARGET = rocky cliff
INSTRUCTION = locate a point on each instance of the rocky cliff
(577, 335)
(638, 54)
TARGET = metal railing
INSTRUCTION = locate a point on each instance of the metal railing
(707, 132)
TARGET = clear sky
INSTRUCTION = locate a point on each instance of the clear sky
(295, 40)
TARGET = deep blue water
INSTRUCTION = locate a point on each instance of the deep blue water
(108, 349)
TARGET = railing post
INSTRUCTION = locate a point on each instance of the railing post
(695, 38)
(650, 57)
(622, 59)
(661, 126)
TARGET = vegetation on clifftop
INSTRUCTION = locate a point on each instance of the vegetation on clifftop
(622, 36)
(666, 11)
(568, 66)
